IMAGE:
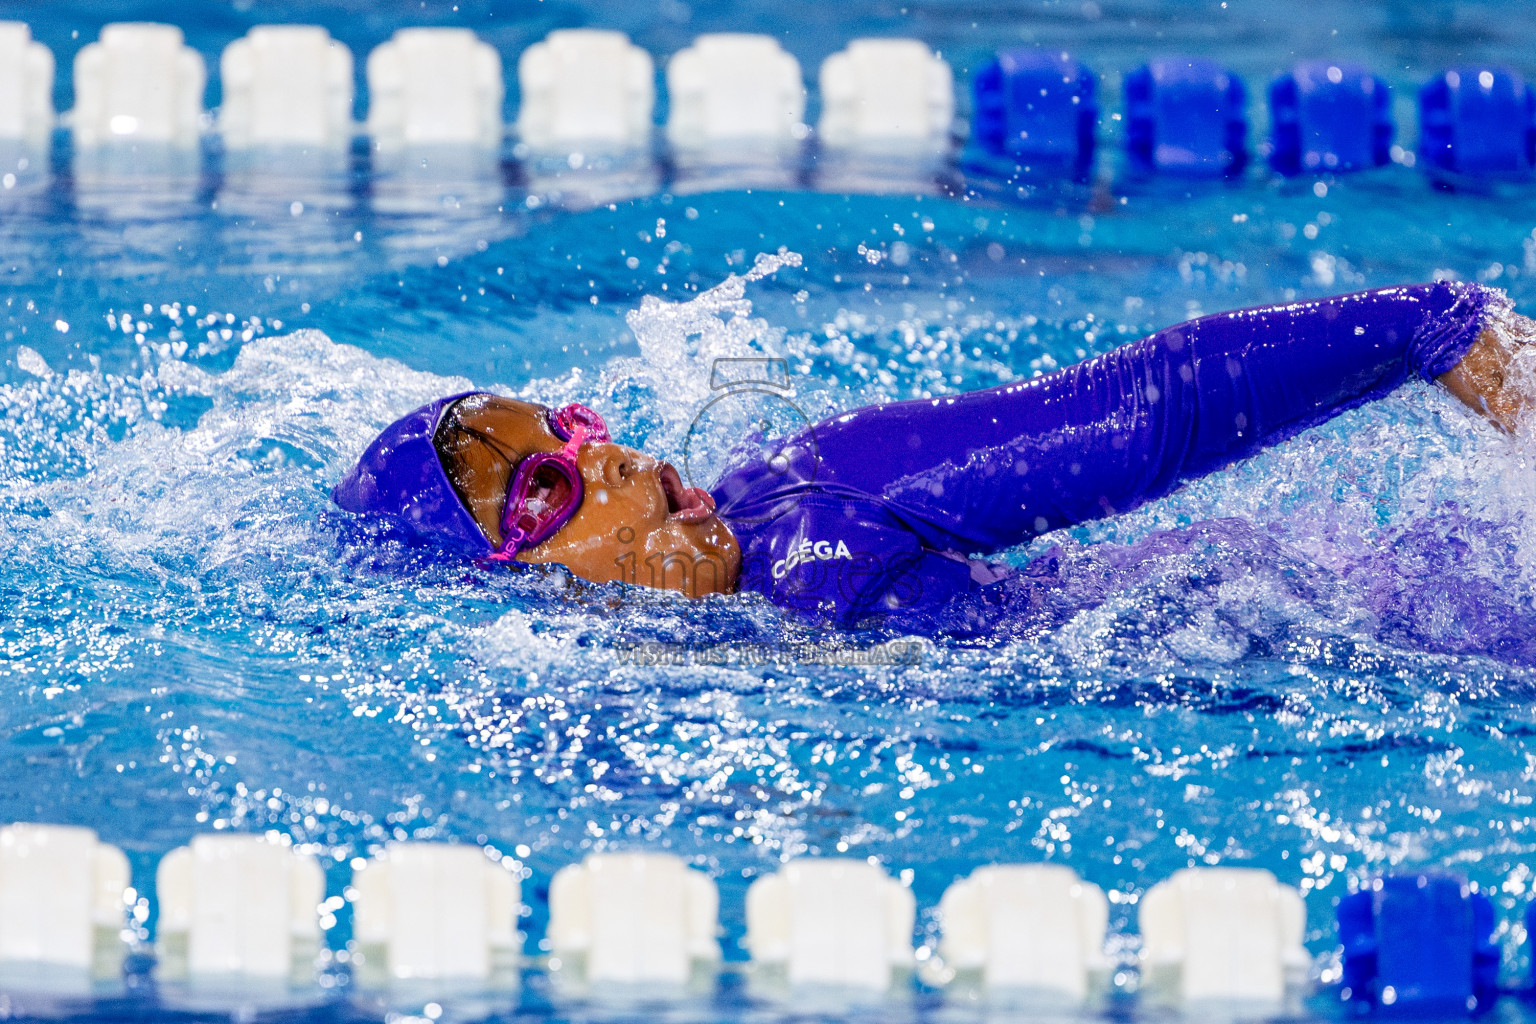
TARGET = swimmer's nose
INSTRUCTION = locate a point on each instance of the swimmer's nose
(616, 464)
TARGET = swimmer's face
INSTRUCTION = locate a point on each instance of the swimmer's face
(637, 522)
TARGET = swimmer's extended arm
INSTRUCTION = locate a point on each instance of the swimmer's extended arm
(1486, 379)
(991, 469)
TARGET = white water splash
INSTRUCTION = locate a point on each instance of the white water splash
(124, 493)
(679, 341)
(29, 360)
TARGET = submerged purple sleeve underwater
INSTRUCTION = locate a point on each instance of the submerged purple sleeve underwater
(873, 512)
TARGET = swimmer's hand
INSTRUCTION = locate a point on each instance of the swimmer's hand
(1491, 378)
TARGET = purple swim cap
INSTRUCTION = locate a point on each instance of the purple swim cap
(401, 475)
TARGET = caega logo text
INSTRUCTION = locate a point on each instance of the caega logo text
(808, 550)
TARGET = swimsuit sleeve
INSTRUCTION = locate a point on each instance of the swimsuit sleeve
(988, 470)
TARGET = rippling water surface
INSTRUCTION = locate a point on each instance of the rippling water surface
(1320, 662)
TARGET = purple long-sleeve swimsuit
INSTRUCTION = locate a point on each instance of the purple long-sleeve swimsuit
(883, 509)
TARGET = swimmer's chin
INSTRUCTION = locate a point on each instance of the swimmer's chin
(691, 552)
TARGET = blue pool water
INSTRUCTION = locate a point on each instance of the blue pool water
(1321, 662)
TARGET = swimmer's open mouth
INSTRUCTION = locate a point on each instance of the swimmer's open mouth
(688, 504)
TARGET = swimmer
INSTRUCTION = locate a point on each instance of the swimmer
(885, 508)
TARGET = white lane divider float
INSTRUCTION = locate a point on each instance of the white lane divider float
(734, 90)
(435, 87)
(139, 82)
(238, 906)
(585, 91)
(61, 899)
(1035, 930)
(26, 86)
(831, 922)
(886, 95)
(634, 918)
(428, 911)
(286, 86)
(1224, 935)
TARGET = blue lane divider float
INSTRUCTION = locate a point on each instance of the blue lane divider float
(1419, 944)
(1036, 108)
(1186, 116)
(1478, 122)
(1329, 117)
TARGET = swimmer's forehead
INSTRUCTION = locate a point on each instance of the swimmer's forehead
(524, 425)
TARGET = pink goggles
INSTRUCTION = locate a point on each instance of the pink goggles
(546, 490)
